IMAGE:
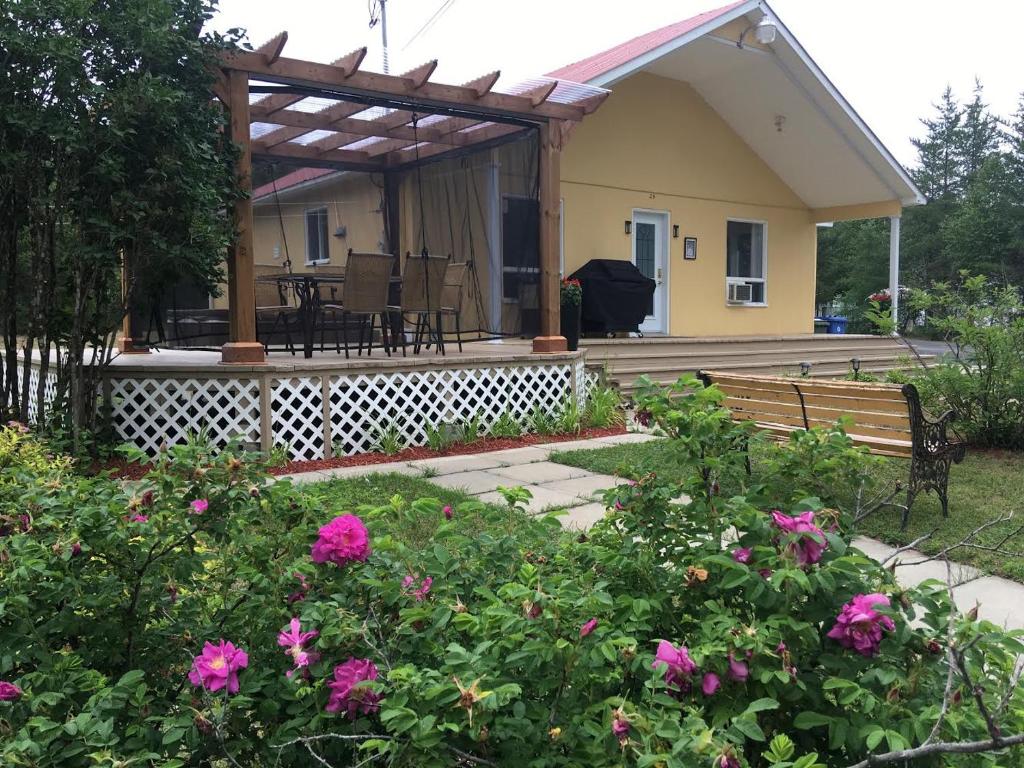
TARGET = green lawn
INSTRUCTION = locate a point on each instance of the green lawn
(986, 485)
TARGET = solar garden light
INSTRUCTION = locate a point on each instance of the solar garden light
(805, 369)
(855, 364)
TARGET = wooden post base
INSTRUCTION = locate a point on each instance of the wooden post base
(546, 345)
(243, 353)
(126, 346)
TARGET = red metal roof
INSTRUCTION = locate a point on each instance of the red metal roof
(587, 69)
(290, 180)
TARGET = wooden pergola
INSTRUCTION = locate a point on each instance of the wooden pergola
(340, 116)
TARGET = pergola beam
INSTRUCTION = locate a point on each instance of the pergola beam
(370, 84)
(326, 121)
(349, 62)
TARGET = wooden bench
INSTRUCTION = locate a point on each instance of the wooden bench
(887, 419)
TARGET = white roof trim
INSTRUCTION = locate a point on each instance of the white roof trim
(918, 197)
(625, 70)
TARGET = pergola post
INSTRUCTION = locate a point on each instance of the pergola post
(242, 346)
(894, 270)
(126, 342)
(550, 338)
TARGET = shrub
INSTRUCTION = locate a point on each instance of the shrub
(389, 440)
(209, 619)
(506, 425)
(984, 383)
(604, 408)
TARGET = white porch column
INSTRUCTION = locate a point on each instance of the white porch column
(894, 268)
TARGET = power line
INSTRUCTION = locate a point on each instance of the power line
(430, 22)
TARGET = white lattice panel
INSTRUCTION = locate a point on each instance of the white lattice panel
(412, 400)
(297, 416)
(49, 391)
(151, 412)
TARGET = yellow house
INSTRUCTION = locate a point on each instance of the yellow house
(720, 149)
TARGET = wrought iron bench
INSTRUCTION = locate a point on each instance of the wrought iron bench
(887, 419)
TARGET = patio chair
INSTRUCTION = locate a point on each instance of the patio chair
(422, 285)
(365, 296)
(329, 292)
(451, 295)
(274, 304)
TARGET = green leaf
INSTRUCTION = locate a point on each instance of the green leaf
(749, 728)
(761, 705)
(807, 720)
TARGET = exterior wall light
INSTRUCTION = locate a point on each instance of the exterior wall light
(765, 32)
(629, 226)
(675, 231)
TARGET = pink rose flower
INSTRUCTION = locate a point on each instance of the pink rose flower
(447, 511)
(859, 626)
(218, 666)
(343, 540)
(587, 628)
(678, 664)
(294, 641)
(348, 693)
(421, 592)
(76, 549)
(710, 683)
(810, 541)
(199, 506)
(742, 555)
(620, 727)
(738, 670)
(139, 518)
(9, 691)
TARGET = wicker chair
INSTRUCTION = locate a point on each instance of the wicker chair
(452, 293)
(422, 285)
(274, 304)
(364, 295)
(329, 292)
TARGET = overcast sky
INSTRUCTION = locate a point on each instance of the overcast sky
(890, 58)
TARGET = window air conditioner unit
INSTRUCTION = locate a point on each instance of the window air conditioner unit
(741, 293)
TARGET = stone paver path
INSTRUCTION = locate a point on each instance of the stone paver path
(557, 486)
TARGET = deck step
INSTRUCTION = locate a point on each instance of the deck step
(665, 359)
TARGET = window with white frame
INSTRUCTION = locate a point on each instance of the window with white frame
(317, 250)
(745, 262)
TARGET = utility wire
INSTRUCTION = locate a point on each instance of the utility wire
(441, 9)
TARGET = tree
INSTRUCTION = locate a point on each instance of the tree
(977, 138)
(940, 170)
(112, 157)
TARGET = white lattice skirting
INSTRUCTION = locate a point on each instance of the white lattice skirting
(324, 413)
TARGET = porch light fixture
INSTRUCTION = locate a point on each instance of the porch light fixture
(675, 231)
(629, 226)
(764, 32)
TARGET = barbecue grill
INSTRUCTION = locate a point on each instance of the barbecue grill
(616, 296)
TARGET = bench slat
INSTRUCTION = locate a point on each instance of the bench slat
(894, 421)
(779, 384)
(876, 446)
(846, 404)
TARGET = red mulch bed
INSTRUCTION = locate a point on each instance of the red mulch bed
(460, 449)
(135, 471)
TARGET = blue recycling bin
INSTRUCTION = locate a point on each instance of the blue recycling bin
(836, 323)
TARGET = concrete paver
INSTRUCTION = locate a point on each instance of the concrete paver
(472, 482)
(543, 498)
(581, 518)
(999, 600)
(391, 468)
(447, 465)
(525, 455)
(540, 472)
(629, 437)
(572, 445)
(588, 487)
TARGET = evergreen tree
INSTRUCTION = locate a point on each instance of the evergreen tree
(940, 171)
(1013, 135)
(977, 138)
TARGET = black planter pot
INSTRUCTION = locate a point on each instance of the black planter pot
(570, 325)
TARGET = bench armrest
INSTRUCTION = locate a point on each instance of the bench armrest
(937, 441)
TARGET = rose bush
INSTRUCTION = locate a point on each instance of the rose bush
(265, 628)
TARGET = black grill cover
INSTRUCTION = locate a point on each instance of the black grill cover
(616, 296)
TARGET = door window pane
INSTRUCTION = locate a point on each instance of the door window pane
(644, 248)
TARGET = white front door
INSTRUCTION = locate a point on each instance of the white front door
(650, 255)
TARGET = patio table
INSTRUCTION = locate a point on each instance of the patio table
(307, 289)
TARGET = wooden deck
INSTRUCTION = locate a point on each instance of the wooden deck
(666, 358)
